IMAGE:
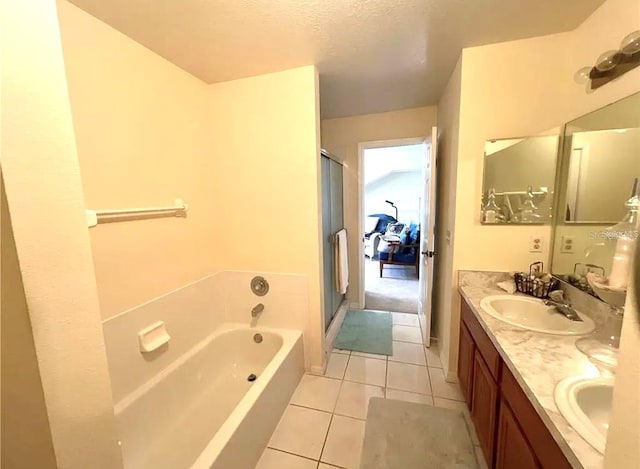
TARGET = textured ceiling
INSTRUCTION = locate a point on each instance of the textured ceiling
(373, 55)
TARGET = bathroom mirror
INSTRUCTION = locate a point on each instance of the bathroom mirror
(518, 183)
(600, 160)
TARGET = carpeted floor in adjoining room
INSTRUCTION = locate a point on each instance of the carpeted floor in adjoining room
(397, 290)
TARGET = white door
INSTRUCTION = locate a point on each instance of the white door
(427, 235)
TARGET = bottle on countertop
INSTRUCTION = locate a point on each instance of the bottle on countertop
(625, 233)
(491, 211)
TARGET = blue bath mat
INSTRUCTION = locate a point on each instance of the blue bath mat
(366, 331)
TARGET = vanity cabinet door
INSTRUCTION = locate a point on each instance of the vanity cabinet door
(512, 448)
(543, 445)
(466, 351)
(484, 406)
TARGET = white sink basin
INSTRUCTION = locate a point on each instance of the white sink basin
(586, 404)
(532, 314)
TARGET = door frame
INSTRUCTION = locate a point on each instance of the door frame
(362, 146)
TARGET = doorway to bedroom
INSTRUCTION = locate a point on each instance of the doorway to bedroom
(392, 204)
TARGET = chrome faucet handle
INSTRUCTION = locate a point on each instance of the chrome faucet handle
(556, 299)
(557, 296)
(256, 310)
(259, 286)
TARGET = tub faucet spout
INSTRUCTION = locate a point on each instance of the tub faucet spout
(256, 310)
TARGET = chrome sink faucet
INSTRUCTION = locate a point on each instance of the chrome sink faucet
(256, 310)
(556, 298)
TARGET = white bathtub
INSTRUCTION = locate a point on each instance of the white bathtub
(202, 412)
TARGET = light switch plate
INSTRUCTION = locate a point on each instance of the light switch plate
(536, 243)
(567, 244)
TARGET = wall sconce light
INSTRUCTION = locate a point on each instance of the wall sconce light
(612, 63)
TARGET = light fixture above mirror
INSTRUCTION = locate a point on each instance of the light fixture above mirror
(613, 63)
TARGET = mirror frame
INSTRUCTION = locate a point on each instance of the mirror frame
(559, 219)
(557, 133)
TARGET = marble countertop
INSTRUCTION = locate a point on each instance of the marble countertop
(538, 362)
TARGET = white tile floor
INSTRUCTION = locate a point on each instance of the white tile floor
(323, 426)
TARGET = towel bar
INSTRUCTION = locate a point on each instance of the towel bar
(94, 217)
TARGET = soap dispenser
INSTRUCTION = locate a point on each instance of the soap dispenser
(625, 234)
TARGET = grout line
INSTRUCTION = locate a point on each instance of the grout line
(407, 342)
(335, 404)
(293, 454)
(424, 351)
(346, 367)
(321, 376)
(367, 384)
(408, 363)
(430, 383)
(408, 325)
(404, 390)
(350, 417)
(382, 357)
(386, 371)
(311, 408)
(331, 465)
(449, 399)
(326, 436)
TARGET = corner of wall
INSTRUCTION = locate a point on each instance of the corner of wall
(26, 434)
(37, 132)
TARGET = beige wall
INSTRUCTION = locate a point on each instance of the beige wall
(531, 90)
(341, 137)
(242, 154)
(623, 438)
(26, 436)
(141, 132)
(444, 281)
(45, 200)
(265, 195)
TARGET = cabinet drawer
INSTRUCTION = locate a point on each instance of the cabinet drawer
(482, 341)
(545, 448)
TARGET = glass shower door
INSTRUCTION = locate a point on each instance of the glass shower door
(332, 222)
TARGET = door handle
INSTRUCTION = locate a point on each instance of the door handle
(428, 253)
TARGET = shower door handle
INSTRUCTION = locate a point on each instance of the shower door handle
(428, 253)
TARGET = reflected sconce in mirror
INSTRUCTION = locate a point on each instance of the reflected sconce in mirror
(612, 63)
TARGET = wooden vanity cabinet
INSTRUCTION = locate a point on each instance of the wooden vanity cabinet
(512, 447)
(465, 363)
(510, 431)
(484, 404)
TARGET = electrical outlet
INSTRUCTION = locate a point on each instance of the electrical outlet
(535, 243)
(567, 244)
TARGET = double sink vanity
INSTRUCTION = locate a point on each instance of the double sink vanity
(536, 400)
(538, 375)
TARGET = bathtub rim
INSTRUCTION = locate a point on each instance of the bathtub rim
(224, 328)
(290, 338)
(216, 444)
